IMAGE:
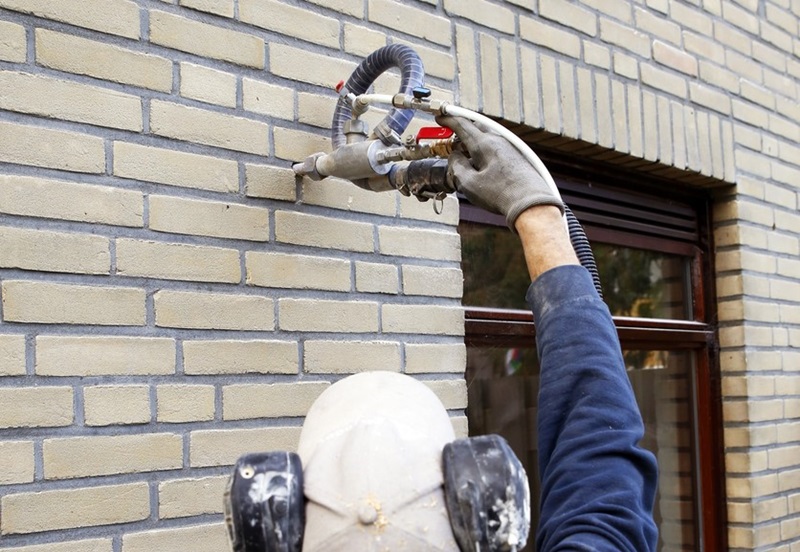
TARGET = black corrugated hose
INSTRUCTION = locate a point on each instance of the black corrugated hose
(580, 243)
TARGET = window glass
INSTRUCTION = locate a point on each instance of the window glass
(494, 267)
(643, 284)
(503, 385)
(636, 282)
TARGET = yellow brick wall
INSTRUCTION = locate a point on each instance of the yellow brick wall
(173, 297)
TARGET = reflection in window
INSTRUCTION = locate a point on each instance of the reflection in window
(643, 284)
(503, 388)
(636, 282)
(494, 267)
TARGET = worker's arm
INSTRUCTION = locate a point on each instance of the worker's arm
(597, 484)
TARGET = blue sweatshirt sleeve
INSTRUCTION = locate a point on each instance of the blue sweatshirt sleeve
(598, 485)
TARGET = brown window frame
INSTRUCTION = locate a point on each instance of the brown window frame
(681, 225)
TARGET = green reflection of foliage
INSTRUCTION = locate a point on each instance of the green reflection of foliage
(626, 275)
(494, 268)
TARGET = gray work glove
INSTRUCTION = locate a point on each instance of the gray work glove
(495, 176)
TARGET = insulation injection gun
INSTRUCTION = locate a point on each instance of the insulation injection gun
(382, 160)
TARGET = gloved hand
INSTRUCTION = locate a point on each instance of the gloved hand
(495, 176)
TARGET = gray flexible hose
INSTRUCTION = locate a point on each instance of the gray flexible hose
(412, 76)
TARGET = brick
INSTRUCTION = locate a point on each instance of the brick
(54, 251)
(361, 41)
(412, 208)
(268, 99)
(548, 36)
(208, 218)
(70, 457)
(52, 303)
(704, 47)
(625, 65)
(569, 15)
(657, 26)
(491, 86)
(117, 17)
(432, 281)
(240, 357)
(104, 356)
(419, 243)
(452, 393)
(249, 400)
(35, 406)
(350, 357)
(283, 19)
(58, 199)
(776, 59)
(35, 512)
(12, 355)
(709, 97)
(198, 538)
(343, 194)
(674, 58)
(467, 66)
(13, 42)
(315, 109)
(103, 61)
(551, 101)
(650, 121)
(509, 69)
(51, 148)
(625, 37)
(665, 132)
(199, 310)
(105, 405)
(270, 182)
(217, 7)
(279, 270)
(48, 97)
(635, 137)
(568, 102)
(663, 80)
(16, 462)
(437, 63)
(690, 17)
(597, 55)
(483, 13)
(348, 7)
(222, 447)
(191, 497)
(317, 315)
(177, 261)
(209, 127)
(317, 231)
(412, 21)
(377, 278)
(430, 358)
(295, 145)
(292, 63)
(785, 457)
(206, 40)
(757, 94)
(620, 115)
(722, 78)
(177, 404)
(207, 85)
(618, 9)
(175, 168)
(743, 19)
(423, 319)
(605, 122)
(586, 107)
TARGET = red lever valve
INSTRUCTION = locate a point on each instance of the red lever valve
(434, 133)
